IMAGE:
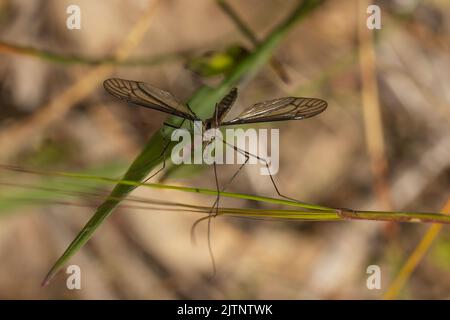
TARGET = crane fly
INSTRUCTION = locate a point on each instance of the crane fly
(282, 109)
(288, 108)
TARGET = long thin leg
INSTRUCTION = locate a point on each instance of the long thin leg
(166, 146)
(216, 205)
(232, 178)
(217, 199)
(163, 151)
(248, 154)
(236, 173)
(163, 154)
(209, 216)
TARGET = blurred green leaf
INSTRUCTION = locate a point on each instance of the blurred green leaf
(217, 63)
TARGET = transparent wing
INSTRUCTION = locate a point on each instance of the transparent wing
(145, 95)
(289, 108)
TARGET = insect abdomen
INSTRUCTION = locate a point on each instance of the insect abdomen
(226, 103)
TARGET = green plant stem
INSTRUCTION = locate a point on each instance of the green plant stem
(245, 30)
(64, 59)
(168, 187)
(397, 216)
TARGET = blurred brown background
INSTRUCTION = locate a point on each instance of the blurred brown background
(336, 159)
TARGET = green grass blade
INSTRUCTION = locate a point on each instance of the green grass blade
(306, 211)
(134, 184)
